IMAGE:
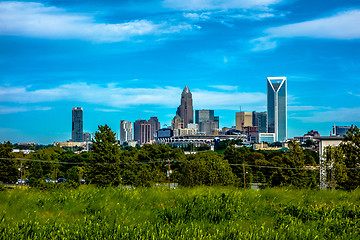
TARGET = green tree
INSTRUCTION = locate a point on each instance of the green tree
(104, 169)
(206, 168)
(8, 168)
(348, 167)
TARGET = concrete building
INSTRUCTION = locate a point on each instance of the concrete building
(259, 119)
(325, 142)
(142, 131)
(185, 110)
(126, 131)
(155, 126)
(277, 107)
(243, 119)
(77, 124)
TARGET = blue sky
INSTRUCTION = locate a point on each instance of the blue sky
(131, 59)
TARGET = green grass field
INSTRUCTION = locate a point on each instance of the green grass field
(184, 213)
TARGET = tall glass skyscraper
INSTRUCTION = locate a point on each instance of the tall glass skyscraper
(77, 124)
(277, 107)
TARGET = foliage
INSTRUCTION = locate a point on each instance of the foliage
(187, 213)
(104, 169)
(8, 168)
(208, 169)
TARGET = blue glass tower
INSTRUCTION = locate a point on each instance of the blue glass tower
(277, 107)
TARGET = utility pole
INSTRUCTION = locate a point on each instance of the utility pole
(244, 175)
(169, 171)
(21, 181)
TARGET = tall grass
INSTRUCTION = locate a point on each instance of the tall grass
(187, 213)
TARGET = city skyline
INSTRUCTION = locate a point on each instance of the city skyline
(131, 60)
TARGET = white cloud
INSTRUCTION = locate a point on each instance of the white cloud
(225, 87)
(198, 5)
(343, 26)
(8, 110)
(116, 97)
(305, 108)
(349, 115)
(36, 20)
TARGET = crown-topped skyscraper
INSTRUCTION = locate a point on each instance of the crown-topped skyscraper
(277, 107)
(185, 110)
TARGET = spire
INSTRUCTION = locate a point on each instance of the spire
(186, 90)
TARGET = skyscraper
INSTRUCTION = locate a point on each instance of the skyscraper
(185, 110)
(208, 123)
(142, 131)
(77, 124)
(125, 131)
(259, 119)
(277, 107)
(243, 119)
(154, 126)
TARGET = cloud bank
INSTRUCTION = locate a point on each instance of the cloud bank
(112, 96)
(199, 5)
(37, 20)
(342, 26)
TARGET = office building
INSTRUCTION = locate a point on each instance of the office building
(259, 119)
(203, 115)
(340, 130)
(277, 107)
(217, 122)
(155, 126)
(126, 131)
(185, 110)
(142, 131)
(243, 119)
(77, 124)
(208, 123)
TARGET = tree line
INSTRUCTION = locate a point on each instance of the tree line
(107, 164)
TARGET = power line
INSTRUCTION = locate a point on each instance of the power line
(313, 168)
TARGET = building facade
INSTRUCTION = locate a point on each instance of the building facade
(340, 130)
(155, 126)
(77, 124)
(142, 131)
(208, 123)
(259, 119)
(243, 119)
(185, 110)
(277, 107)
(86, 137)
(126, 131)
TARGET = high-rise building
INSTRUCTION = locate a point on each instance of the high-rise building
(77, 124)
(185, 110)
(277, 107)
(260, 120)
(142, 131)
(203, 115)
(217, 121)
(243, 119)
(126, 130)
(155, 126)
(208, 123)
